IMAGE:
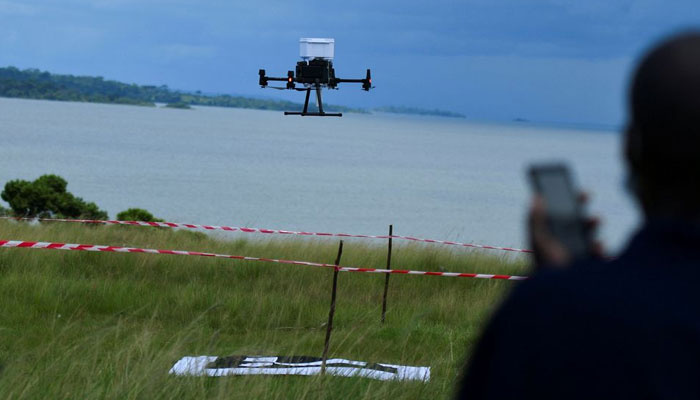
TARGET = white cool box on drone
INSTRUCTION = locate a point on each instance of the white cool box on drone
(310, 48)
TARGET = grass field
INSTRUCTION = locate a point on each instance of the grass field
(109, 325)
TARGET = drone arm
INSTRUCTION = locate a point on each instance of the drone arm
(366, 83)
(272, 78)
(264, 79)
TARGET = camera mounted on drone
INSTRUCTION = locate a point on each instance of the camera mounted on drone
(315, 71)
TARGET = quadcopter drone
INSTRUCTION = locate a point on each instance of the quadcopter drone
(314, 72)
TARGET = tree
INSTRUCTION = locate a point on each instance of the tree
(47, 197)
(137, 214)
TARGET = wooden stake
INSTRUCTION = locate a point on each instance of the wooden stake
(388, 266)
(329, 326)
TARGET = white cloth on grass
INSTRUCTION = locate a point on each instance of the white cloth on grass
(294, 365)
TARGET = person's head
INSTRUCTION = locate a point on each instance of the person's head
(663, 133)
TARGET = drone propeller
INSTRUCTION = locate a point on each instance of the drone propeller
(276, 87)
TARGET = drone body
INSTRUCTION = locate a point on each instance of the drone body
(314, 72)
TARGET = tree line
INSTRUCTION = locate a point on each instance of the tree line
(36, 84)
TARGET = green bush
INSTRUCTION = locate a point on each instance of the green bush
(137, 214)
(47, 197)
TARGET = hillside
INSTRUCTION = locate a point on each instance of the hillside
(85, 324)
(36, 84)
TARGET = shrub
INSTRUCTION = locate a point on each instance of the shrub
(47, 197)
(137, 214)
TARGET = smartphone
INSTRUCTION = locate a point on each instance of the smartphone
(565, 214)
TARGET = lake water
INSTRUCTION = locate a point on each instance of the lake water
(431, 177)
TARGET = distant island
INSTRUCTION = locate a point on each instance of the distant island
(180, 105)
(35, 84)
(418, 111)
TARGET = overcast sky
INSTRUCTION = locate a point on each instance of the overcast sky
(543, 60)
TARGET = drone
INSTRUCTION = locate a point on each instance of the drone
(314, 72)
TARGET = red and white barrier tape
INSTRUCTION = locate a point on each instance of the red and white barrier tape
(119, 249)
(273, 231)
(447, 274)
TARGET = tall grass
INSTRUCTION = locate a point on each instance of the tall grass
(108, 325)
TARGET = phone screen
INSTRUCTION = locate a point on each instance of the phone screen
(556, 189)
(564, 212)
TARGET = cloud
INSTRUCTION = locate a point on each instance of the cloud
(12, 8)
(111, 4)
(8, 38)
(555, 57)
(181, 51)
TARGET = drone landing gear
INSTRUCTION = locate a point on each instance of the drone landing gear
(320, 112)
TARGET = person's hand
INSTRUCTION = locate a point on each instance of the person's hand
(548, 250)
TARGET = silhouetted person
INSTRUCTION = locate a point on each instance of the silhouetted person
(628, 328)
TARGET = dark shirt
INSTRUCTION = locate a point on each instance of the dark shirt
(624, 329)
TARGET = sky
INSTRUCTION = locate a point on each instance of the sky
(541, 60)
